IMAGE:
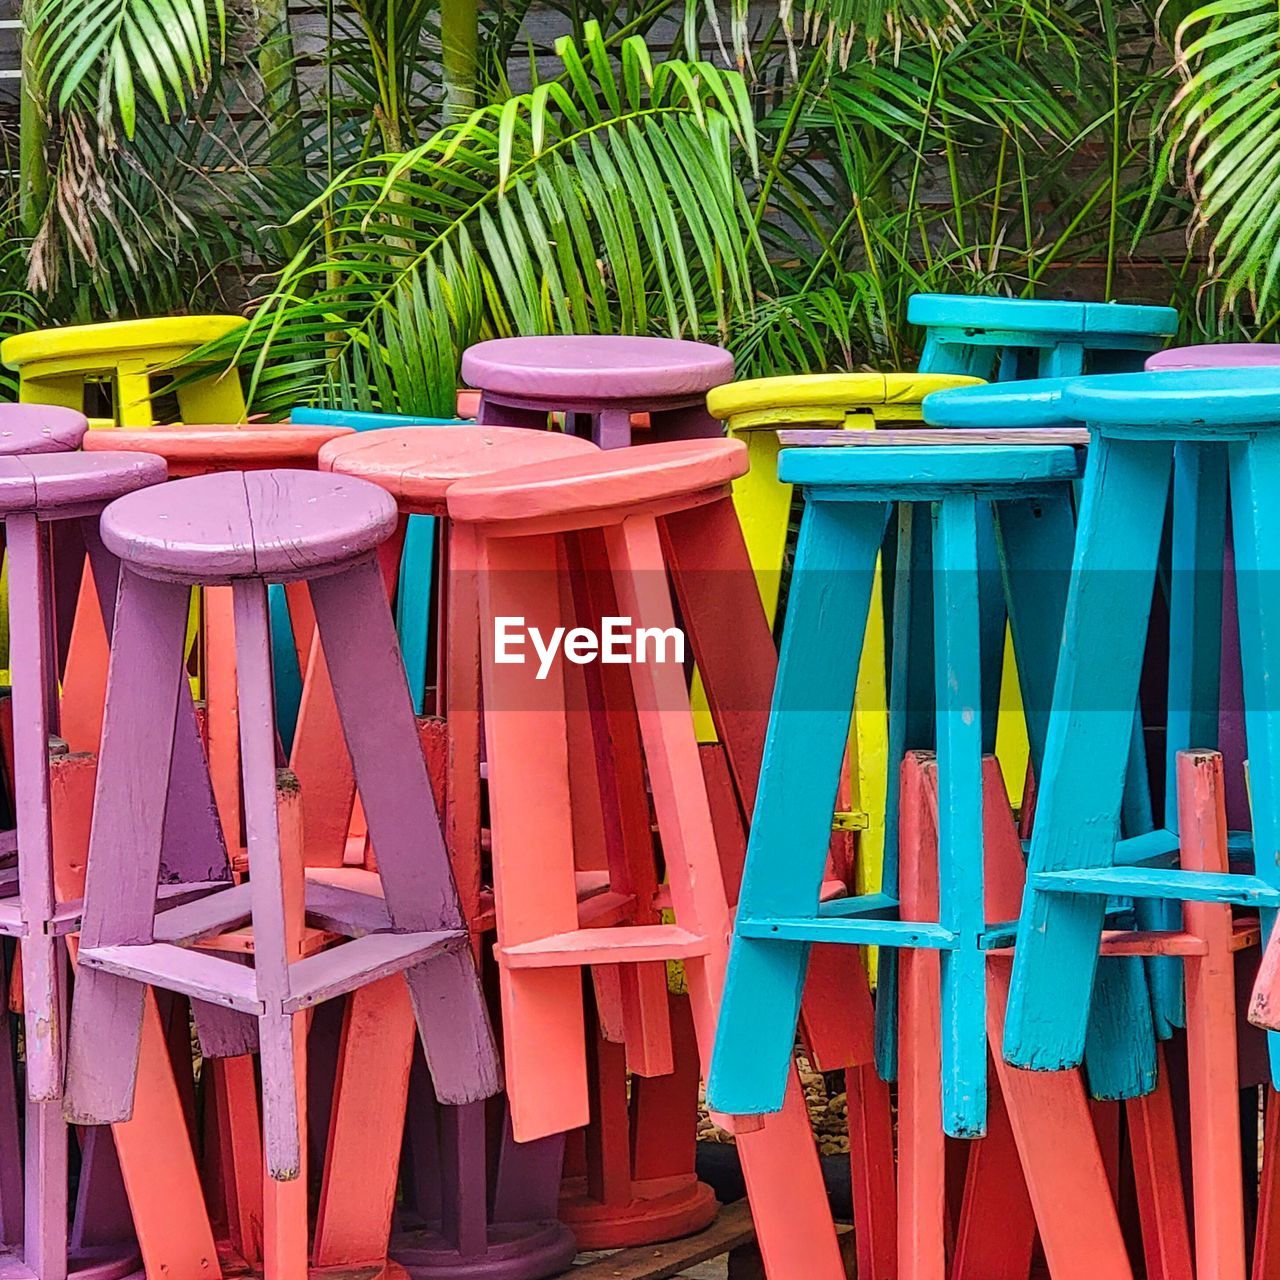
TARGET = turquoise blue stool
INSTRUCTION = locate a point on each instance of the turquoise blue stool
(1004, 339)
(413, 591)
(850, 495)
(1140, 424)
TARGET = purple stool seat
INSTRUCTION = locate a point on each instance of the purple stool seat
(599, 382)
(45, 483)
(281, 525)
(40, 428)
(1216, 355)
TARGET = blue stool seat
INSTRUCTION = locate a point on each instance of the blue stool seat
(1216, 435)
(850, 496)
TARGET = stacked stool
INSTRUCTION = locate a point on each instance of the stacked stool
(612, 507)
(57, 366)
(243, 530)
(468, 1223)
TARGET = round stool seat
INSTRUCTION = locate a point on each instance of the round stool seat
(81, 344)
(48, 482)
(39, 428)
(922, 469)
(620, 479)
(281, 525)
(1195, 402)
(592, 367)
(192, 450)
(1033, 402)
(1216, 355)
(824, 396)
(418, 466)
(1081, 320)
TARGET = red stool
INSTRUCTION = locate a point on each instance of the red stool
(610, 511)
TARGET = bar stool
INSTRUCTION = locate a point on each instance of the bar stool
(600, 382)
(469, 1223)
(1136, 422)
(614, 507)
(41, 492)
(640, 1190)
(850, 494)
(55, 366)
(243, 529)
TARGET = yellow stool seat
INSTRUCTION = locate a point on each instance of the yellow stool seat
(55, 366)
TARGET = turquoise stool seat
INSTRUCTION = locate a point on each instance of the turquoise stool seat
(413, 590)
(1216, 435)
(850, 497)
(1004, 338)
(999, 339)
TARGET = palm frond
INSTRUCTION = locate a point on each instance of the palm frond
(605, 201)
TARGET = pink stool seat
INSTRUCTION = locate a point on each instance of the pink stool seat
(596, 367)
(281, 525)
(1216, 355)
(417, 466)
(600, 482)
(50, 482)
(193, 449)
(39, 428)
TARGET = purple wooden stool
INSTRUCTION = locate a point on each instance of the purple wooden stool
(245, 529)
(598, 382)
(38, 493)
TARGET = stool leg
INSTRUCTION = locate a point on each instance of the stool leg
(128, 832)
(275, 899)
(33, 682)
(369, 686)
(787, 852)
(1078, 806)
(960, 708)
(1255, 524)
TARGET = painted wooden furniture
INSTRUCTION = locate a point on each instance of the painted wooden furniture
(599, 382)
(1136, 421)
(615, 509)
(56, 366)
(242, 530)
(753, 411)
(850, 497)
(41, 492)
(475, 1215)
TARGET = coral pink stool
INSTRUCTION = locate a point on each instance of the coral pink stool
(243, 530)
(610, 510)
(465, 1221)
(599, 382)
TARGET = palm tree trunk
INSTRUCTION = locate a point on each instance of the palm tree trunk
(33, 159)
(460, 46)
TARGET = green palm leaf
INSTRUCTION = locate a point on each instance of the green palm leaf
(607, 202)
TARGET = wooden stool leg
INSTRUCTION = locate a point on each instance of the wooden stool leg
(1212, 1074)
(369, 686)
(1266, 1245)
(1078, 804)
(813, 703)
(222, 715)
(125, 849)
(960, 706)
(875, 1214)
(34, 682)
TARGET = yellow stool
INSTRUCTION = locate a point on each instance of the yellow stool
(55, 366)
(754, 411)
